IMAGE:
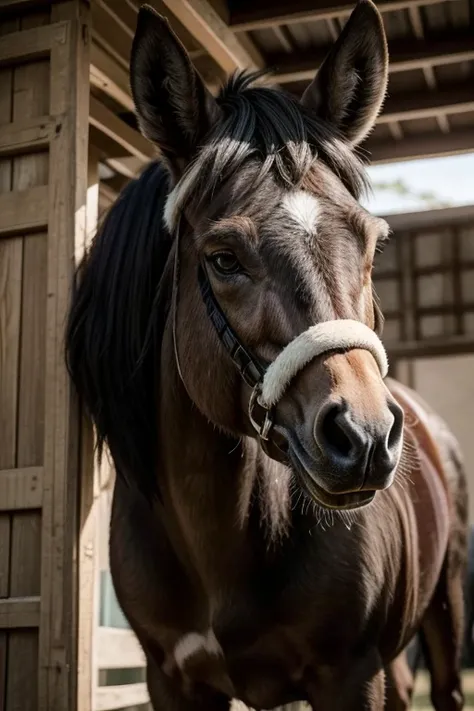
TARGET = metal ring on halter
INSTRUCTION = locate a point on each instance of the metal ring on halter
(263, 430)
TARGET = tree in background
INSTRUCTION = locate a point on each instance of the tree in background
(399, 187)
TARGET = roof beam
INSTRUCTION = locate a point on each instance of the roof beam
(210, 30)
(420, 105)
(404, 55)
(107, 195)
(442, 216)
(113, 155)
(426, 145)
(254, 14)
(108, 123)
(110, 77)
(111, 35)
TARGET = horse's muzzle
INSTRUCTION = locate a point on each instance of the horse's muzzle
(348, 460)
(363, 455)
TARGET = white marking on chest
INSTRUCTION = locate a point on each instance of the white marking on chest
(193, 643)
(303, 209)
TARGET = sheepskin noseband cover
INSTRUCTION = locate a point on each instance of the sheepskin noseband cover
(343, 334)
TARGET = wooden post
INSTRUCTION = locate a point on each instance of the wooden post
(88, 588)
(408, 299)
(44, 91)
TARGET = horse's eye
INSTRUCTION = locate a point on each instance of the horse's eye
(225, 263)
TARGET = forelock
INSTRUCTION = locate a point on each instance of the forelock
(272, 128)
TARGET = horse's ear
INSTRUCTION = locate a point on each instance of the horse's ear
(349, 88)
(173, 106)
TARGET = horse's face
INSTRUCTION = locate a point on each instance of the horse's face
(281, 253)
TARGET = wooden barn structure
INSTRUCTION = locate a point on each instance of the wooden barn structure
(68, 144)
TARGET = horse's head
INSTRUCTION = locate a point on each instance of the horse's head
(272, 242)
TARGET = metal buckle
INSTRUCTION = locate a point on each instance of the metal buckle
(263, 430)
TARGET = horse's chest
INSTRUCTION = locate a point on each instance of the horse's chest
(262, 654)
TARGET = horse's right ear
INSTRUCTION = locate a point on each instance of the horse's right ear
(173, 106)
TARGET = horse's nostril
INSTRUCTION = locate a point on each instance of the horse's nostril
(339, 438)
(332, 432)
(395, 434)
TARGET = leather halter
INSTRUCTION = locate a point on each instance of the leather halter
(251, 369)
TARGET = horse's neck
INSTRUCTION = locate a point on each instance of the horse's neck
(216, 488)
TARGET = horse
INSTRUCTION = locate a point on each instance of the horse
(286, 517)
(415, 649)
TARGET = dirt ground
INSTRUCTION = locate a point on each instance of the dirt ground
(422, 691)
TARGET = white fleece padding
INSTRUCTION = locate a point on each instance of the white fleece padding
(342, 334)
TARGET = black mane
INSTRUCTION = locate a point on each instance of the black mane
(110, 353)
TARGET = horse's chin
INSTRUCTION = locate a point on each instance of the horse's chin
(338, 502)
(346, 501)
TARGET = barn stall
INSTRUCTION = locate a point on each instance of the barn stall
(68, 144)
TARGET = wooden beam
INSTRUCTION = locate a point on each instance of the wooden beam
(118, 649)
(11, 6)
(112, 155)
(430, 348)
(418, 105)
(117, 183)
(445, 49)
(24, 211)
(67, 226)
(421, 146)
(25, 45)
(127, 166)
(425, 219)
(113, 28)
(121, 13)
(21, 489)
(110, 35)
(208, 28)
(405, 55)
(110, 77)
(108, 123)
(107, 195)
(26, 136)
(125, 14)
(89, 520)
(253, 15)
(19, 612)
(109, 698)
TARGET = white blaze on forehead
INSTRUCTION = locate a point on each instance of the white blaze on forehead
(193, 643)
(303, 208)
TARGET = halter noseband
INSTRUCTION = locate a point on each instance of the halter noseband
(269, 383)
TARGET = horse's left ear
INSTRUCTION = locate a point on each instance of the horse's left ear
(349, 88)
(173, 106)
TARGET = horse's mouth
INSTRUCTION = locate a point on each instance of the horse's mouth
(341, 502)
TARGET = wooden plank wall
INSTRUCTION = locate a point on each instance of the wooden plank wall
(43, 163)
(425, 281)
(119, 679)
